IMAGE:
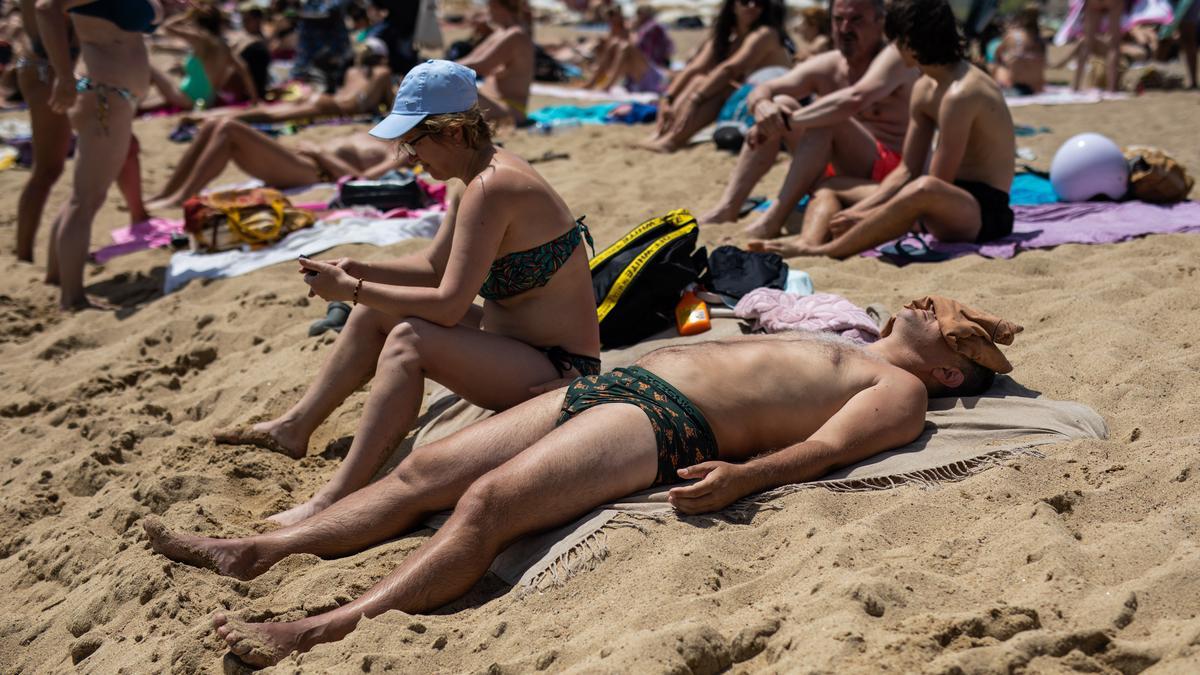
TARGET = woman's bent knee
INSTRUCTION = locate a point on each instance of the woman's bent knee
(404, 340)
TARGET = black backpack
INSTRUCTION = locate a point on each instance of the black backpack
(638, 280)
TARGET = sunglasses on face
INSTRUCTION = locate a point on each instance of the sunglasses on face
(410, 147)
(749, 3)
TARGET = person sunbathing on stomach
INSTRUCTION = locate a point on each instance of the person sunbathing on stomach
(964, 195)
(813, 403)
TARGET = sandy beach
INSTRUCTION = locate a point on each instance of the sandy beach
(1082, 561)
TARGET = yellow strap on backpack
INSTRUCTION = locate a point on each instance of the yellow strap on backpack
(684, 224)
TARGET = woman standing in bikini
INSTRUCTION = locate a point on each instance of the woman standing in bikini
(512, 241)
(748, 35)
(101, 106)
(51, 133)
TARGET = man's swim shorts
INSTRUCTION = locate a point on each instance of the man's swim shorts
(683, 435)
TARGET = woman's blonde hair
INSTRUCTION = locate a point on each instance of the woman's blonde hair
(476, 130)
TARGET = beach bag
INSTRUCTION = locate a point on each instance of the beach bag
(638, 280)
(394, 190)
(1155, 176)
(221, 221)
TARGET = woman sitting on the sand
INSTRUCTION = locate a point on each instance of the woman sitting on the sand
(512, 241)
(747, 36)
(212, 70)
(1020, 64)
(640, 64)
(222, 141)
(368, 86)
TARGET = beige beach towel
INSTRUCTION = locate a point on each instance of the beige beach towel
(961, 438)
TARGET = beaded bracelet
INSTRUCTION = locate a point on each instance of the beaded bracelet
(357, 288)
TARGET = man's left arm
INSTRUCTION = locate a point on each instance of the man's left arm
(882, 417)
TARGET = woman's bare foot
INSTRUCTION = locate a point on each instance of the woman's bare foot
(261, 644)
(228, 557)
(298, 513)
(163, 204)
(274, 435)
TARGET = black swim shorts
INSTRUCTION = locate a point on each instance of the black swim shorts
(683, 435)
(995, 215)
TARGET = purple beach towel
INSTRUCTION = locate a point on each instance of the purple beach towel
(1049, 225)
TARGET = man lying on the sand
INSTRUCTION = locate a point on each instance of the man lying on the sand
(707, 411)
(856, 126)
(965, 195)
(223, 140)
(504, 63)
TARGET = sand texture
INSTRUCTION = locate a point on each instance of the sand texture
(1086, 560)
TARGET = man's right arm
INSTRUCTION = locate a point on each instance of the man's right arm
(798, 82)
(886, 73)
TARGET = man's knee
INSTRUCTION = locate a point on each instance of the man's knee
(786, 102)
(486, 504)
(925, 187)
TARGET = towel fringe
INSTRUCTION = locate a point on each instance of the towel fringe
(593, 548)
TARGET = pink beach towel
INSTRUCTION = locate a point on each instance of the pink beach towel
(778, 311)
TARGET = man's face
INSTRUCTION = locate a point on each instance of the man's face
(919, 327)
(856, 26)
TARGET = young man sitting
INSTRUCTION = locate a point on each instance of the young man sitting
(706, 412)
(964, 196)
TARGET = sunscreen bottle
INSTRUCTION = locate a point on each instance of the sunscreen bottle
(691, 314)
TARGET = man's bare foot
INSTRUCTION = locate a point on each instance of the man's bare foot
(227, 557)
(720, 213)
(298, 513)
(271, 436)
(260, 644)
(788, 247)
(763, 228)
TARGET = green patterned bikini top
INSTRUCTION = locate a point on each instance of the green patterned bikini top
(522, 271)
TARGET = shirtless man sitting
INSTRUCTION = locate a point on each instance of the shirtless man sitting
(504, 61)
(814, 403)
(964, 197)
(855, 127)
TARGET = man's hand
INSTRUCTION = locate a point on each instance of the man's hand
(63, 95)
(328, 281)
(721, 484)
(842, 221)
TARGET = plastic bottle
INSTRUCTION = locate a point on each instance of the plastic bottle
(691, 314)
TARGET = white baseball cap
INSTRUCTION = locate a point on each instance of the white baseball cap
(435, 87)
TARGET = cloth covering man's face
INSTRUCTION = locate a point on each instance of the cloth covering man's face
(856, 26)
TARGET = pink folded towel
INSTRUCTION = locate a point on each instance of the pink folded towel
(778, 311)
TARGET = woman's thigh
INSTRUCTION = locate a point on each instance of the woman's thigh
(489, 370)
(104, 123)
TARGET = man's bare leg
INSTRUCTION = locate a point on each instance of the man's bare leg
(490, 370)
(1112, 60)
(848, 146)
(753, 163)
(429, 480)
(949, 212)
(601, 455)
(103, 146)
(52, 140)
(352, 361)
(835, 194)
(1187, 38)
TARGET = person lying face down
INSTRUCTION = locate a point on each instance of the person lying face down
(705, 412)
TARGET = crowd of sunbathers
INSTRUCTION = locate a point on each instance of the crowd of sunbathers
(864, 90)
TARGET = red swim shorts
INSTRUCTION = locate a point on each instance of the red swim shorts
(886, 159)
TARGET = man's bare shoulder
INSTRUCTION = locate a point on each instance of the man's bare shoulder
(826, 63)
